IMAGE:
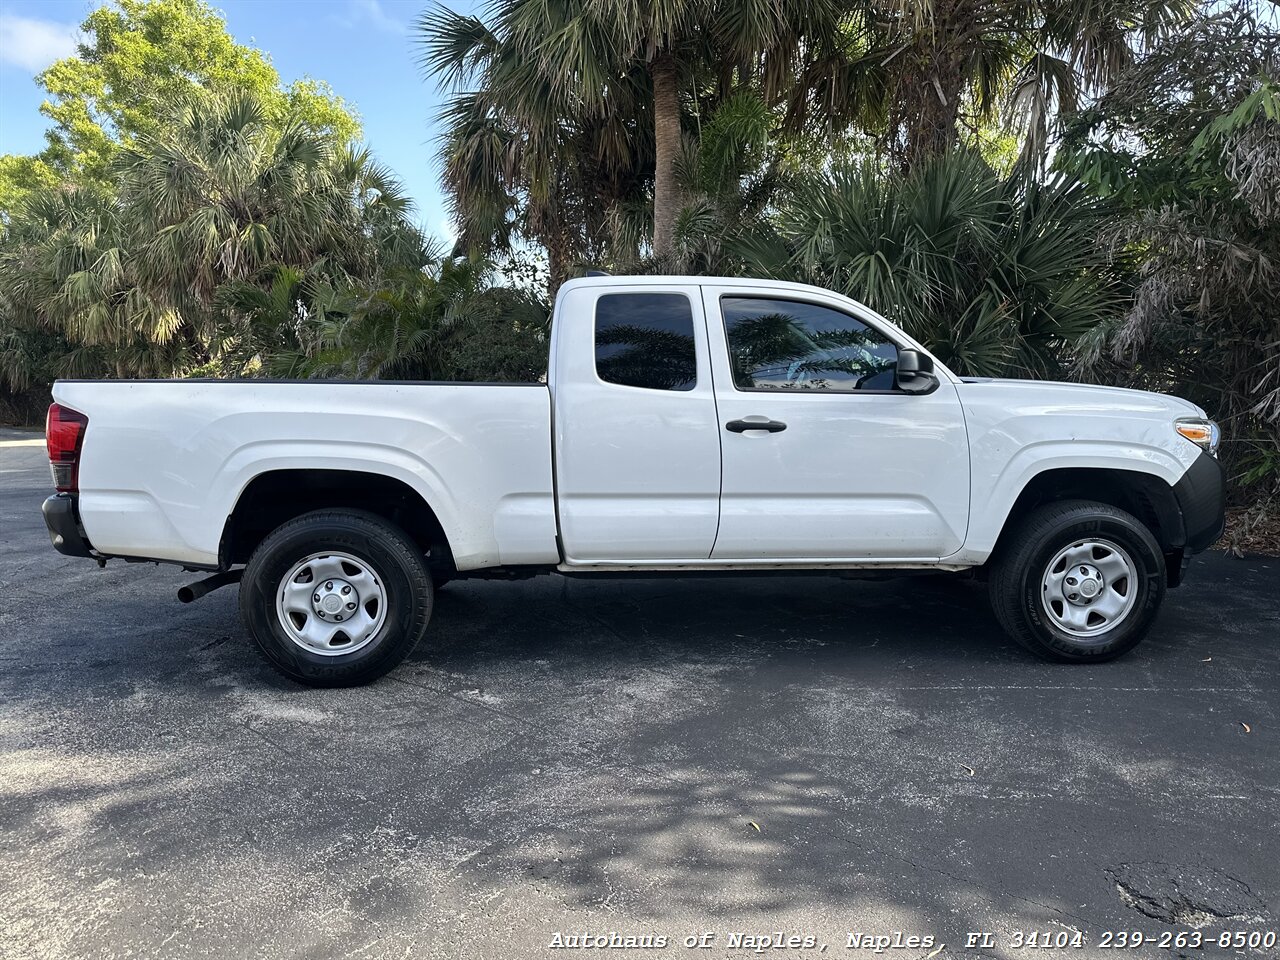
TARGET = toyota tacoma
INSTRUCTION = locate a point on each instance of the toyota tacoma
(686, 426)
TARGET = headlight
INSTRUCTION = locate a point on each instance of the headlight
(1205, 434)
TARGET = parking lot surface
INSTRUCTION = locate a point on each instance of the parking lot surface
(669, 757)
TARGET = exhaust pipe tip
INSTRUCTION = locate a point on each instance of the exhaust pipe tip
(194, 591)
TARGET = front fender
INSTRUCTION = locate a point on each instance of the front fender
(995, 491)
(1019, 429)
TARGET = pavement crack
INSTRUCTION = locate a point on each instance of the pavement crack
(1185, 896)
(1184, 913)
(274, 744)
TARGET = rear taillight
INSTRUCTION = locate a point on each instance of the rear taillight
(64, 434)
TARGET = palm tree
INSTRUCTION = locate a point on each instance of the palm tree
(729, 182)
(222, 196)
(996, 276)
(447, 322)
(66, 270)
(600, 68)
(1187, 146)
(540, 164)
(224, 192)
(919, 68)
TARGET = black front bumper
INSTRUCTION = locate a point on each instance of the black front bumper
(1202, 497)
(63, 520)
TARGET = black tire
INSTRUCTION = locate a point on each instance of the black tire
(368, 537)
(1017, 586)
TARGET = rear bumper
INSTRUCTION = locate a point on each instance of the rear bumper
(1202, 497)
(63, 520)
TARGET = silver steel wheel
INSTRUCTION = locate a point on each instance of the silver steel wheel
(1089, 587)
(331, 603)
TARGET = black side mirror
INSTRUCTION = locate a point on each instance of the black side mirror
(915, 372)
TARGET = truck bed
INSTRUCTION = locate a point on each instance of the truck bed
(165, 461)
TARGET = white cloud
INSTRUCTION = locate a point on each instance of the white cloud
(372, 13)
(34, 44)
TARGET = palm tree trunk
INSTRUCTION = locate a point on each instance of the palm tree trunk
(931, 129)
(666, 133)
(933, 99)
(559, 259)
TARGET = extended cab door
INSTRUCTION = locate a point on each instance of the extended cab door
(637, 441)
(842, 466)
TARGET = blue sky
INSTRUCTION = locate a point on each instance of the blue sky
(363, 48)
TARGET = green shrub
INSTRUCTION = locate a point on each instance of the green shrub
(998, 276)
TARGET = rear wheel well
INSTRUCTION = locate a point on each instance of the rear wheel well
(1145, 496)
(273, 498)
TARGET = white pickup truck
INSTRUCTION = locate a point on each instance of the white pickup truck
(687, 425)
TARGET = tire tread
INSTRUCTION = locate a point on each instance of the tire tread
(1014, 555)
(362, 523)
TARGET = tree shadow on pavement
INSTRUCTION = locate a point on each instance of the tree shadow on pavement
(753, 754)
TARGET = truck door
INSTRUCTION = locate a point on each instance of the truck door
(842, 466)
(637, 440)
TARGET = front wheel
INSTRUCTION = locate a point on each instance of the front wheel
(336, 599)
(1078, 582)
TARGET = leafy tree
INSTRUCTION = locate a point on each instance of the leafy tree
(443, 321)
(21, 176)
(1187, 146)
(139, 58)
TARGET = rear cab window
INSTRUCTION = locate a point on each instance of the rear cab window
(646, 340)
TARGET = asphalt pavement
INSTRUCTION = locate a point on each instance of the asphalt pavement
(666, 758)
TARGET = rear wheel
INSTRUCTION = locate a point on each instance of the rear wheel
(1078, 582)
(336, 598)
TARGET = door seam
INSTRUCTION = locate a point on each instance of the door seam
(715, 402)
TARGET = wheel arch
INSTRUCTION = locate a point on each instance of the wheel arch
(1144, 495)
(276, 496)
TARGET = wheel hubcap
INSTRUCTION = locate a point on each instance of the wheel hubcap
(1089, 587)
(331, 603)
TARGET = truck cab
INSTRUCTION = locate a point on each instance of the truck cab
(732, 424)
